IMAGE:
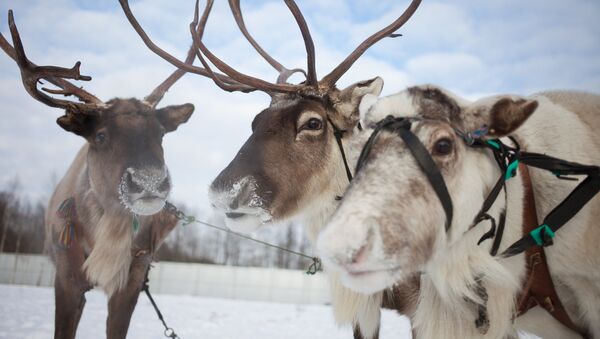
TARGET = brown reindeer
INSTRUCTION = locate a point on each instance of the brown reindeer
(293, 164)
(93, 233)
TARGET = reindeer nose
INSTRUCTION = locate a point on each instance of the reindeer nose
(165, 185)
(132, 186)
(148, 180)
(351, 255)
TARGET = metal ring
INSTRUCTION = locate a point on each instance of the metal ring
(169, 333)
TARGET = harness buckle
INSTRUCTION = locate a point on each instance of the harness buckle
(543, 235)
(511, 169)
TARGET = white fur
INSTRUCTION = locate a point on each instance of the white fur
(317, 205)
(349, 307)
(108, 263)
(457, 262)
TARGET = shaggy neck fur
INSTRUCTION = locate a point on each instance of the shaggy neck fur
(108, 263)
(449, 286)
(110, 233)
(349, 307)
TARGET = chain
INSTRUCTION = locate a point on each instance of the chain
(185, 219)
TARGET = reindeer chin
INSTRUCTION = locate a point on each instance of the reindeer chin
(367, 282)
(147, 206)
(247, 223)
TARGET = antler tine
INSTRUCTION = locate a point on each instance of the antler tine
(197, 31)
(247, 80)
(31, 74)
(331, 78)
(58, 82)
(159, 92)
(311, 78)
(284, 73)
(165, 55)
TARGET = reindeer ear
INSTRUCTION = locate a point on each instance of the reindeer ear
(80, 124)
(502, 115)
(173, 116)
(349, 98)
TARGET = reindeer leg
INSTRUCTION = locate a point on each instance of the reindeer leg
(70, 286)
(122, 303)
(358, 335)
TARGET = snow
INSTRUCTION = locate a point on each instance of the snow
(28, 313)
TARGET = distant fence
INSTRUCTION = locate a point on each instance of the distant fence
(247, 283)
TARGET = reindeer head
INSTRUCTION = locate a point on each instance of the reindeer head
(125, 162)
(291, 160)
(392, 221)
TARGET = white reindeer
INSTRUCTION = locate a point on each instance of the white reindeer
(391, 223)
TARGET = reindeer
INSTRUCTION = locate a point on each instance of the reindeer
(105, 219)
(394, 222)
(295, 163)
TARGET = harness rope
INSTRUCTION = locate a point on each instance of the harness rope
(314, 267)
(169, 332)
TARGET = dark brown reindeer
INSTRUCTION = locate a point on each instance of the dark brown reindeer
(293, 166)
(96, 238)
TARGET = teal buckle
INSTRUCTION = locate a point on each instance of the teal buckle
(511, 170)
(493, 144)
(542, 235)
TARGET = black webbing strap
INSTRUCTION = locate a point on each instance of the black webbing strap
(504, 156)
(339, 134)
(430, 169)
(567, 209)
(401, 126)
(169, 332)
(508, 159)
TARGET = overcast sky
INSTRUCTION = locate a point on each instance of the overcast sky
(473, 48)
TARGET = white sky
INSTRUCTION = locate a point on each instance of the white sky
(473, 48)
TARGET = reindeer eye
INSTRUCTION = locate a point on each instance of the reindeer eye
(313, 124)
(442, 147)
(100, 138)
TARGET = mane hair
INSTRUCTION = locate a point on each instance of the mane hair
(108, 263)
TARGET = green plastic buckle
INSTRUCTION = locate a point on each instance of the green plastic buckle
(537, 234)
(511, 170)
(493, 144)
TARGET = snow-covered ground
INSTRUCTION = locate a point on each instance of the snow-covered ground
(28, 313)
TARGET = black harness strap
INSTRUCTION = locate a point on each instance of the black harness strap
(567, 209)
(169, 332)
(339, 134)
(430, 169)
(508, 159)
(401, 126)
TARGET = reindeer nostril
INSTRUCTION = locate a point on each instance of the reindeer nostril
(360, 255)
(131, 185)
(165, 185)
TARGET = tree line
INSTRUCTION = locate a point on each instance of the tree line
(22, 231)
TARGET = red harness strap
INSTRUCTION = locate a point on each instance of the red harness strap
(538, 288)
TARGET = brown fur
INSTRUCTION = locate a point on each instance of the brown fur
(133, 139)
(293, 171)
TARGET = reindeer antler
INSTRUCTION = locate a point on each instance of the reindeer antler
(241, 78)
(236, 86)
(284, 73)
(31, 75)
(311, 78)
(331, 78)
(233, 80)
